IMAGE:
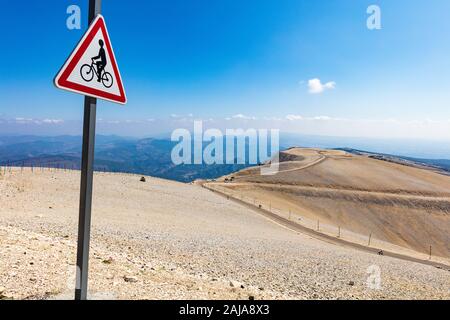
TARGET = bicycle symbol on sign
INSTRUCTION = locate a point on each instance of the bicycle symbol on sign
(97, 67)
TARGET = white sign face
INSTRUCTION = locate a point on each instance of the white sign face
(92, 68)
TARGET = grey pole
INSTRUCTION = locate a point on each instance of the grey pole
(87, 175)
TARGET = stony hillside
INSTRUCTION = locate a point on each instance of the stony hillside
(163, 239)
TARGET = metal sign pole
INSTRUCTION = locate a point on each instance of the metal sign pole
(87, 175)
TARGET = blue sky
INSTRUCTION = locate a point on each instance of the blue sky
(243, 60)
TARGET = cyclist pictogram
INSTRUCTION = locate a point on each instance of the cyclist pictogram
(97, 67)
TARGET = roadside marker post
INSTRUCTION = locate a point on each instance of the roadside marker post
(87, 177)
(91, 70)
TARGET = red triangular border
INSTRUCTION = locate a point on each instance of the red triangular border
(61, 80)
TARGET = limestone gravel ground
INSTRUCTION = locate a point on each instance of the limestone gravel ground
(166, 240)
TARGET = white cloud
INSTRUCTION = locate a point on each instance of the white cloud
(293, 117)
(23, 120)
(177, 116)
(315, 86)
(296, 117)
(53, 121)
(323, 118)
(272, 119)
(37, 121)
(241, 116)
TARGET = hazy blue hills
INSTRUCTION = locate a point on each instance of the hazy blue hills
(152, 156)
(112, 153)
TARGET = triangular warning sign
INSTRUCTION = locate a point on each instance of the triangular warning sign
(92, 68)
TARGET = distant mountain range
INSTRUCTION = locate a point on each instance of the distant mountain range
(112, 153)
(148, 156)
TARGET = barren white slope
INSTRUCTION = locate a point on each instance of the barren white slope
(163, 239)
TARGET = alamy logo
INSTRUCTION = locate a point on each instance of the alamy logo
(374, 20)
(374, 279)
(236, 146)
(73, 22)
